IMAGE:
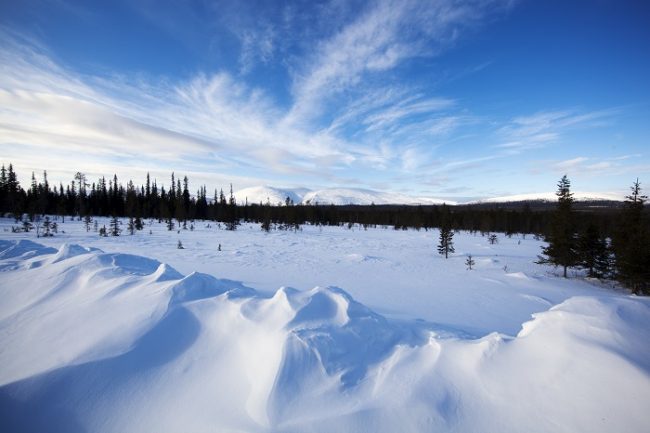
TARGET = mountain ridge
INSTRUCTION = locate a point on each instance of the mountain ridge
(265, 194)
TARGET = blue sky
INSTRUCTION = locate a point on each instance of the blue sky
(449, 98)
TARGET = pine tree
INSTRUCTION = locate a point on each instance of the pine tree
(561, 249)
(87, 221)
(493, 239)
(232, 221)
(4, 190)
(632, 244)
(47, 226)
(446, 243)
(593, 254)
(115, 226)
(469, 262)
(131, 226)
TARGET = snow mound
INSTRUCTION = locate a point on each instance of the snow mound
(23, 249)
(115, 342)
(198, 286)
(67, 251)
(358, 258)
(129, 264)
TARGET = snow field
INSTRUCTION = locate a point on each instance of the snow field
(108, 341)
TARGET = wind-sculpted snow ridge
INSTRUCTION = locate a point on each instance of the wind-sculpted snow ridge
(97, 342)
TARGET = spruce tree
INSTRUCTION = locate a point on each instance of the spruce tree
(232, 221)
(446, 243)
(131, 226)
(47, 227)
(469, 262)
(561, 249)
(632, 244)
(115, 226)
(87, 221)
(593, 253)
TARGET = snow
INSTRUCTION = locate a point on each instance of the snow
(359, 196)
(327, 196)
(345, 196)
(325, 329)
(552, 196)
(269, 194)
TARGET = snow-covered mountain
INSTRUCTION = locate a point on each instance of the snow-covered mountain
(342, 196)
(550, 196)
(336, 196)
(345, 196)
(269, 194)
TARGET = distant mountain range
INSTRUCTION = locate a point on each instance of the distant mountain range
(345, 196)
(550, 196)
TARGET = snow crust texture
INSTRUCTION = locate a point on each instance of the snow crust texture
(112, 342)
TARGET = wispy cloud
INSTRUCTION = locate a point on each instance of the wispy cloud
(592, 166)
(256, 46)
(210, 116)
(382, 37)
(220, 120)
(537, 130)
(571, 164)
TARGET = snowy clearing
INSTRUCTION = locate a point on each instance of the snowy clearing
(325, 329)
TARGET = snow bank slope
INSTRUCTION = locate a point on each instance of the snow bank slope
(112, 342)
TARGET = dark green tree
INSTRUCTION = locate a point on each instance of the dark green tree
(561, 249)
(446, 242)
(114, 226)
(139, 225)
(469, 262)
(632, 244)
(593, 253)
(87, 221)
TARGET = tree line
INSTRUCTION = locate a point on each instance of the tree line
(624, 255)
(614, 236)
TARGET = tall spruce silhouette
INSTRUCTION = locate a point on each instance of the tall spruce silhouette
(561, 249)
(632, 244)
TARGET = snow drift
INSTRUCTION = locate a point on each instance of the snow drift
(99, 342)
